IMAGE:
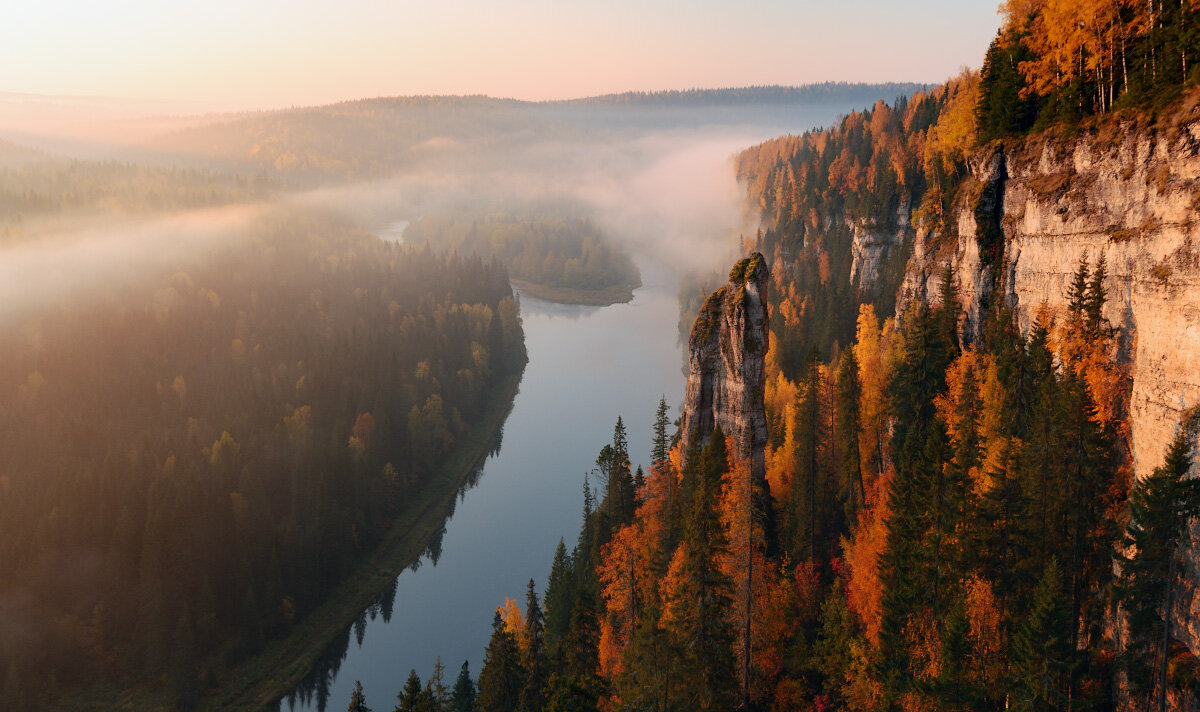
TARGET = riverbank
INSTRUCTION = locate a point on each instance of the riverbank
(267, 677)
(619, 294)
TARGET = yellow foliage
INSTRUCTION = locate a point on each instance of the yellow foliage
(514, 620)
(952, 138)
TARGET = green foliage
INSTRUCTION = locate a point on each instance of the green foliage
(1005, 108)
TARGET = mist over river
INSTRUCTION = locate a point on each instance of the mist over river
(587, 365)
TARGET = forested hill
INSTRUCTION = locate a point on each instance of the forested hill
(372, 138)
(191, 462)
(853, 94)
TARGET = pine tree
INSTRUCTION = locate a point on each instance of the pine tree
(358, 701)
(501, 678)
(462, 697)
(533, 689)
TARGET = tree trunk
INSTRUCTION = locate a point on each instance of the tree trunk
(1166, 641)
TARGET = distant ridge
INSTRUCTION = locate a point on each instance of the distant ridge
(768, 94)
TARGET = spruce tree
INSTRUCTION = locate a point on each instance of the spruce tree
(845, 434)
(1093, 305)
(1161, 507)
(560, 591)
(411, 697)
(662, 444)
(501, 678)
(462, 697)
(533, 690)
(1040, 658)
(702, 598)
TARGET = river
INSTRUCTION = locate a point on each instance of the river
(587, 365)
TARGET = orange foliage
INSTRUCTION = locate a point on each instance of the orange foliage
(772, 602)
(877, 351)
(987, 634)
(864, 589)
(624, 570)
(514, 620)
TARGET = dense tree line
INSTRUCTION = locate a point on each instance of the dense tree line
(1063, 60)
(191, 462)
(51, 186)
(550, 248)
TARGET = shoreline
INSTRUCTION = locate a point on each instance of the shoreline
(266, 678)
(608, 296)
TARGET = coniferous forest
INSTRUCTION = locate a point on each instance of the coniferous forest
(281, 400)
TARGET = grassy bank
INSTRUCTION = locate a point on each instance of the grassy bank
(569, 295)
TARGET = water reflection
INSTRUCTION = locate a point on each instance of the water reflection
(587, 366)
(313, 691)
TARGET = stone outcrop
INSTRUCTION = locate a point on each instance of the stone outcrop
(726, 375)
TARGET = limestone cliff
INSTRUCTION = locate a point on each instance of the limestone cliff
(726, 376)
(1133, 199)
(1132, 196)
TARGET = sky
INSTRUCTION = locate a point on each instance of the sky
(276, 53)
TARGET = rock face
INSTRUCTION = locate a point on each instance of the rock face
(726, 375)
(1136, 202)
(871, 248)
(1135, 199)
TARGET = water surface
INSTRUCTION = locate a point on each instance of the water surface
(587, 365)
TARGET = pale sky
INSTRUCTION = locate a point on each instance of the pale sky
(270, 53)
